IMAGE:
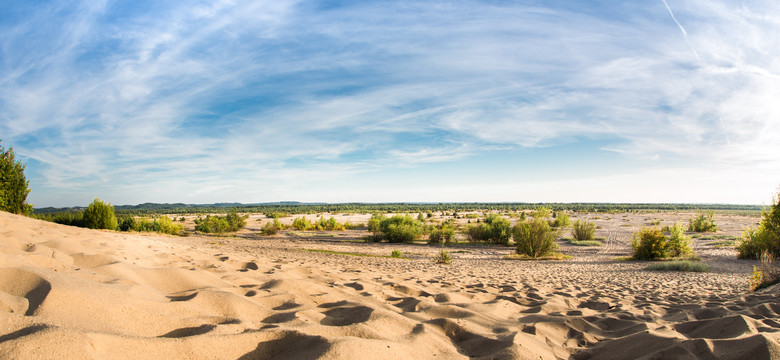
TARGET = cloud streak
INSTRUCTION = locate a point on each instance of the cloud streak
(207, 101)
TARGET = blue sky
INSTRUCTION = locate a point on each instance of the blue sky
(384, 101)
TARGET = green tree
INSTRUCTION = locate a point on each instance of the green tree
(100, 215)
(13, 184)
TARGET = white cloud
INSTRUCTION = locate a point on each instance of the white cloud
(267, 92)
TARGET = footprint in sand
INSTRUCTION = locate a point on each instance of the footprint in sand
(26, 285)
(342, 315)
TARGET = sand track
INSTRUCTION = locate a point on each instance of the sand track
(75, 293)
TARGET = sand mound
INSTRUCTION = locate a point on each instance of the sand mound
(80, 294)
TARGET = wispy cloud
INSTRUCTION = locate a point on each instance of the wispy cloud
(209, 100)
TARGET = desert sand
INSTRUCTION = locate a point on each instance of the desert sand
(74, 293)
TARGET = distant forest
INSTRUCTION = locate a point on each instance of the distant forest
(313, 208)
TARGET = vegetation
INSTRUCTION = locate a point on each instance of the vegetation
(649, 244)
(443, 257)
(271, 228)
(652, 243)
(352, 254)
(494, 230)
(100, 215)
(301, 223)
(13, 184)
(287, 209)
(443, 234)
(766, 274)
(679, 244)
(703, 222)
(584, 242)
(221, 224)
(762, 238)
(396, 254)
(535, 238)
(583, 230)
(679, 265)
(401, 228)
(560, 220)
(162, 225)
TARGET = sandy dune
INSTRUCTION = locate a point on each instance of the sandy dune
(80, 294)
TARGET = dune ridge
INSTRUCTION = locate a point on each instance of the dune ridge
(82, 294)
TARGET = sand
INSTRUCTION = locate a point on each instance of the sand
(74, 293)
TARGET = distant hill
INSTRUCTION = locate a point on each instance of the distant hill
(167, 206)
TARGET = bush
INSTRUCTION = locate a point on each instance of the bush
(374, 225)
(702, 223)
(649, 244)
(562, 220)
(494, 230)
(100, 215)
(476, 233)
(401, 228)
(13, 184)
(270, 228)
(166, 226)
(583, 230)
(766, 274)
(301, 223)
(441, 235)
(535, 238)
(763, 238)
(330, 224)
(221, 224)
(395, 254)
(71, 218)
(679, 244)
(443, 257)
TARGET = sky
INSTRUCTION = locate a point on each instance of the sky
(393, 101)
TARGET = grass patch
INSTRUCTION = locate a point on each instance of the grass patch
(443, 257)
(724, 243)
(353, 254)
(679, 265)
(679, 258)
(557, 256)
(583, 242)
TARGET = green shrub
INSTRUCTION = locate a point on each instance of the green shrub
(399, 228)
(583, 230)
(270, 228)
(649, 244)
(100, 215)
(535, 238)
(702, 223)
(762, 238)
(329, 225)
(690, 266)
(443, 257)
(301, 223)
(166, 226)
(441, 235)
(494, 230)
(679, 244)
(221, 224)
(476, 233)
(766, 274)
(395, 254)
(541, 213)
(374, 225)
(71, 218)
(13, 184)
(562, 220)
